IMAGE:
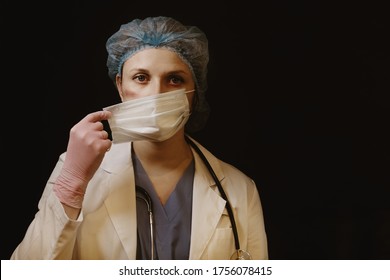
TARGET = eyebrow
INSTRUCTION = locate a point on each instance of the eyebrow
(178, 72)
(138, 70)
(174, 72)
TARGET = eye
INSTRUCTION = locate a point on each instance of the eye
(176, 80)
(141, 78)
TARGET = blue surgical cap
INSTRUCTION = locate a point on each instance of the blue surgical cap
(188, 42)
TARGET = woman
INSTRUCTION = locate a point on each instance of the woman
(96, 202)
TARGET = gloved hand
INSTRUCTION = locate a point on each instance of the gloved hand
(87, 145)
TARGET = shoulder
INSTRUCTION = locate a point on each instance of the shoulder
(236, 180)
(228, 174)
(235, 173)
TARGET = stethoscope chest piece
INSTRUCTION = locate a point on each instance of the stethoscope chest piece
(240, 255)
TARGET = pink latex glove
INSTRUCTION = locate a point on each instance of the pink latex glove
(87, 145)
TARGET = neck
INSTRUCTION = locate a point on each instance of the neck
(167, 154)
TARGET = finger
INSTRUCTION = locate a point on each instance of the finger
(108, 144)
(97, 126)
(104, 134)
(98, 116)
(100, 145)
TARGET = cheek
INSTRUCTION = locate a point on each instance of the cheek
(128, 94)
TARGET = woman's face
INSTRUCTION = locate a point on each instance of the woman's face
(153, 71)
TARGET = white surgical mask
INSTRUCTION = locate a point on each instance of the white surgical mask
(153, 118)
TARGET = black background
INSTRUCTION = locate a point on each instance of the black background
(299, 93)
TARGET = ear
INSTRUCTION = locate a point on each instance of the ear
(118, 82)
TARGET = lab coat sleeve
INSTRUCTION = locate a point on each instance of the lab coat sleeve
(51, 234)
(257, 239)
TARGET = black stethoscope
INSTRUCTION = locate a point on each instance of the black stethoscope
(239, 254)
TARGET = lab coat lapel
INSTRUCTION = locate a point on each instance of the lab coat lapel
(122, 212)
(208, 207)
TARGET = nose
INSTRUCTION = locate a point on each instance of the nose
(156, 87)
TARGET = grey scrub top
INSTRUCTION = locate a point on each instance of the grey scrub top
(172, 221)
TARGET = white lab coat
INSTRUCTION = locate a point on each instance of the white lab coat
(107, 226)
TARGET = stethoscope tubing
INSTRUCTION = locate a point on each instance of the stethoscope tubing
(220, 188)
(149, 204)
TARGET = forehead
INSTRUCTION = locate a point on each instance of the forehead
(155, 59)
